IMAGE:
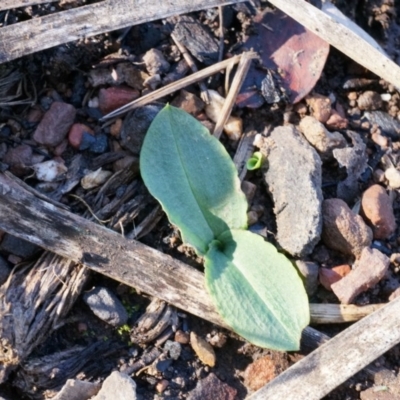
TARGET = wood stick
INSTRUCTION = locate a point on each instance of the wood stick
(341, 37)
(237, 82)
(334, 362)
(9, 4)
(173, 87)
(339, 313)
(55, 229)
(79, 23)
(148, 270)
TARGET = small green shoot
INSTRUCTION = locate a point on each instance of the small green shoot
(123, 330)
(256, 290)
(255, 161)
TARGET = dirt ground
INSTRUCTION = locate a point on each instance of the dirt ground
(28, 88)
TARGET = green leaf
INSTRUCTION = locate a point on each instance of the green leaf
(191, 174)
(256, 290)
(255, 161)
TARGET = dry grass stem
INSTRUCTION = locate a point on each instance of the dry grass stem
(173, 87)
(240, 76)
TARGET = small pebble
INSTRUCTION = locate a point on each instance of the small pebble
(203, 349)
(309, 272)
(161, 386)
(343, 230)
(211, 388)
(114, 97)
(55, 124)
(321, 107)
(181, 337)
(377, 209)
(393, 176)
(369, 101)
(155, 62)
(336, 121)
(106, 306)
(76, 133)
(174, 349)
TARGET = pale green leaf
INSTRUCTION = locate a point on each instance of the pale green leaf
(191, 174)
(256, 290)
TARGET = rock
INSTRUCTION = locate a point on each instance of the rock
(174, 349)
(122, 73)
(4, 270)
(19, 247)
(19, 159)
(320, 106)
(367, 272)
(55, 124)
(374, 394)
(188, 102)
(354, 159)
(75, 389)
(115, 97)
(293, 175)
(211, 388)
(377, 210)
(343, 230)
(156, 62)
(76, 133)
(161, 386)
(95, 178)
(117, 386)
(181, 337)
(327, 276)
(369, 101)
(49, 171)
(203, 349)
(336, 121)
(259, 373)
(309, 271)
(135, 126)
(380, 140)
(386, 123)
(393, 176)
(106, 306)
(319, 137)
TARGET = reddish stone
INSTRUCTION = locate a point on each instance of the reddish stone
(336, 121)
(55, 124)
(76, 133)
(367, 272)
(114, 97)
(259, 373)
(328, 277)
(377, 209)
